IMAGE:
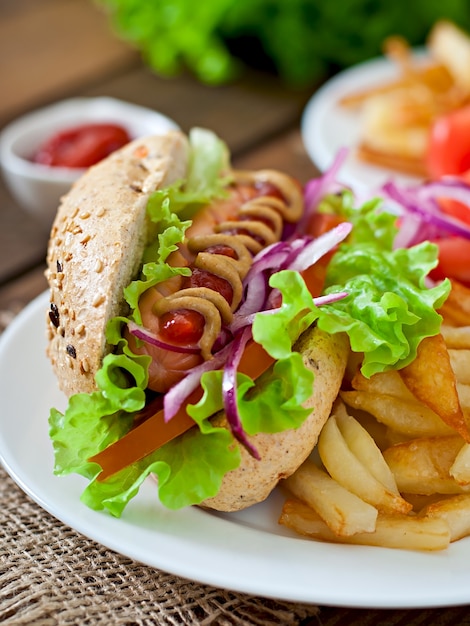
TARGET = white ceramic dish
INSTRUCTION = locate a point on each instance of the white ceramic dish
(327, 127)
(246, 552)
(38, 188)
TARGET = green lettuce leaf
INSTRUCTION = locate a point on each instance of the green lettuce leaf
(389, 308)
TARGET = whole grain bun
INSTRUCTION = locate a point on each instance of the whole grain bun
(282, 453)
(95, 250)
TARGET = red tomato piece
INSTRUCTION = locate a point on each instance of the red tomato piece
(454, 259)
(448, 150)
(456, 209)
(321, 223)
(82, 146)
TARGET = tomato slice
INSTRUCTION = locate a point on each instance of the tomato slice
(321, 223)
(154, 432)
(454, 259)
(82, 146)
(448, 151)
(457, 209)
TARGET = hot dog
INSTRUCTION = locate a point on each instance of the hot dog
(97, 244)
(186, 327)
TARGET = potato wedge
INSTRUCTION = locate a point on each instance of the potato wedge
(431, 379)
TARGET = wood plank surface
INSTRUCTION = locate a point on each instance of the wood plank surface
(32, 71)
(245, 114)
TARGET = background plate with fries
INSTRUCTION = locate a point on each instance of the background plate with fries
(327, 126)
(386, 110)
(247, 552)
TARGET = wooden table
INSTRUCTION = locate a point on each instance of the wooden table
(55, 49)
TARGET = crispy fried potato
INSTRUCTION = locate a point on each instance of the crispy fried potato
(456, 337)
(431, 380)
(389, 383)
(420, 501)
(364, 448)
(456, 309)
(350, 472)
(410, 165)
(422, 466)
(460, 362)
(460, 468)
(464, 395)
(455, 511)
(392, 531)
(412, 419)
(343, 512)
(450, 46)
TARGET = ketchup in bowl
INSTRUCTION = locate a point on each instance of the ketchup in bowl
(82, 146)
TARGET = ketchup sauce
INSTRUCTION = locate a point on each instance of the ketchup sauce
(81, 146)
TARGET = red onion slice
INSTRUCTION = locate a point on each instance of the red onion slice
(175, 397)
(229, 391)
(317, 248)
(422, 204)
(317, 188)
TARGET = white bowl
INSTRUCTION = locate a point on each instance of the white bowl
(38, 188)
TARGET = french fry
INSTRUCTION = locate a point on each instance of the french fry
(392, 531)
(420, 502)
(455, 511)
(389, 383)
(343, 512)
(460, 362)
(456, 309)
(431, 380)
(463, 392)
(410, 165)
(456, 337)
(364, 448)
(450, 46)
(422, 466)
(342, 465)
(412, 419)
(460, 468)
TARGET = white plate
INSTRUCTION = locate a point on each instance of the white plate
(327, 127)
(246, 552)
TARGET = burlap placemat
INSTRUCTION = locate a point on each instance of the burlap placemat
(52, 575)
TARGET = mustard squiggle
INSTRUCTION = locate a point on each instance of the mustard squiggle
(260, 223)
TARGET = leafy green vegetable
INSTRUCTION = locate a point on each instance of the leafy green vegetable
(302, 40)
(389, 309)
